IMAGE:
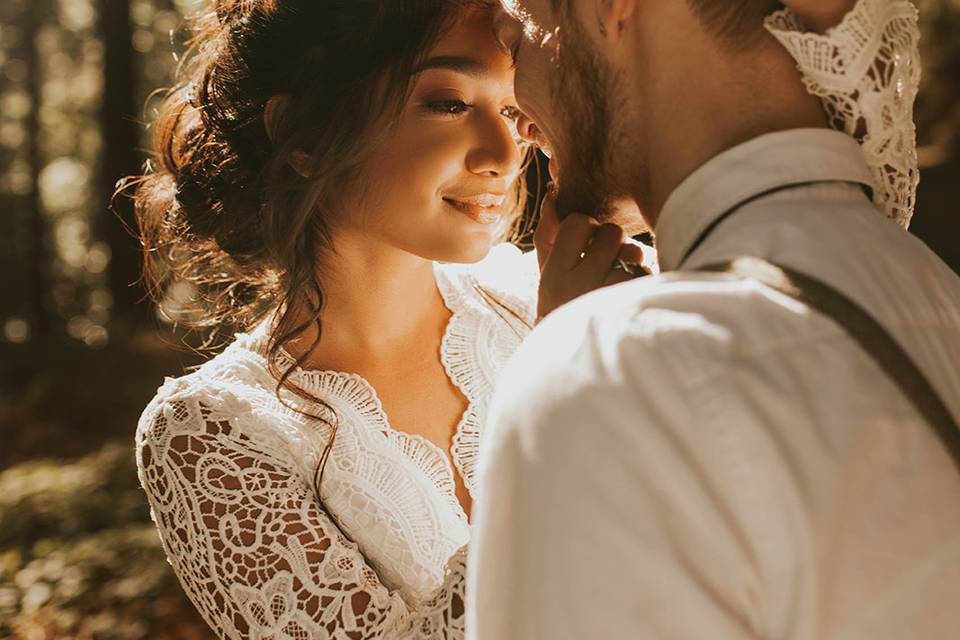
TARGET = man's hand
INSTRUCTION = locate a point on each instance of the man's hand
(578, 255)
(820, 15)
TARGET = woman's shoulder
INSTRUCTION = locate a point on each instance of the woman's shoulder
(231, 397)
(234, 369)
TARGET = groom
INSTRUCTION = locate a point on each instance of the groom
(699, 454)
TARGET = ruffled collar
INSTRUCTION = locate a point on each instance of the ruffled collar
(488, 322)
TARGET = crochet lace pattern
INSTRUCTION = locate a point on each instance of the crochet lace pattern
(228, 470)
(866, 72)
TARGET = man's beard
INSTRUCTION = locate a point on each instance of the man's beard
(581, 86)
(587, 182)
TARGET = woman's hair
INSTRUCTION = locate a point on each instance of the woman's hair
(220, 206)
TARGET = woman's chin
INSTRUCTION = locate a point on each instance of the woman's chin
(465, 253)
(473, 254)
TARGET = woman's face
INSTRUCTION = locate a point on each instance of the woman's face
(439, 185)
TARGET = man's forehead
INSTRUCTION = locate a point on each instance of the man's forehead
(519, 11)
(510, 6)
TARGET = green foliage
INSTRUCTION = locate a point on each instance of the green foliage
(47, 499)
(79, 556)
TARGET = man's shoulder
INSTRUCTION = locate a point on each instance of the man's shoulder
(660, 314)
(628, 335)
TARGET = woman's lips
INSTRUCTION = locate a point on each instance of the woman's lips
(486, 208)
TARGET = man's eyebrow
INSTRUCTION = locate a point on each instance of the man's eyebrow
(461, 64)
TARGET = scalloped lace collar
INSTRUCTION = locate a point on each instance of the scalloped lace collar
(465, 353)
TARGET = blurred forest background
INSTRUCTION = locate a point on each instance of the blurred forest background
(81, 353)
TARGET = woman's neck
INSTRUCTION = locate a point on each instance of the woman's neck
(381, 306)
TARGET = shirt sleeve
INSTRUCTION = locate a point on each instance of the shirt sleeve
(607, 508)
(866, 72)
(255, 551)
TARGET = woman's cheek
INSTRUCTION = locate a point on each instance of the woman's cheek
(438, 161)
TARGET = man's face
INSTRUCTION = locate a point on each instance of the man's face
(567, 92)
(530, 32)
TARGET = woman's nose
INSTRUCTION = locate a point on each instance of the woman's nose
(497, 152)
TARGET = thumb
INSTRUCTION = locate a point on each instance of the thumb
(546, 232)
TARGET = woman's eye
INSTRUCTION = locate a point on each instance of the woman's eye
(448, 107)
(511, 113)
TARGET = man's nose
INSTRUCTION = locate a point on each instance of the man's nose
(528, 129)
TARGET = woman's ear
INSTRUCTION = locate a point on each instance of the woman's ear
(272, 115)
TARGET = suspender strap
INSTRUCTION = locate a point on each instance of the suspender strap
(865, 331)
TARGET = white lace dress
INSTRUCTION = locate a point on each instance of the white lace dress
(229, 470)
(866, 72)
(229, 473)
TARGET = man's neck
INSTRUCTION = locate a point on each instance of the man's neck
(707, 108)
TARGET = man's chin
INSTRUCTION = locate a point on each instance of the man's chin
(621, 211)
(626, 214)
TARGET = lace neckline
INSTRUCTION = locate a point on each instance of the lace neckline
(352, 392)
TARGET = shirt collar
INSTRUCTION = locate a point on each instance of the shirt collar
(749, 170)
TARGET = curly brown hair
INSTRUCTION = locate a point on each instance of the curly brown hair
(220, 205)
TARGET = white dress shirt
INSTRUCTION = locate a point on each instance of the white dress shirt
(692, 455)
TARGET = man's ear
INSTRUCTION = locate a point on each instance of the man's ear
(272, 114)
(612, 15)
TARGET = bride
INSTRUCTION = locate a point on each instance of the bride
(334, 179)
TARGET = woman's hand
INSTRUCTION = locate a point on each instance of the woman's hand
(579, 255)
(820, 15)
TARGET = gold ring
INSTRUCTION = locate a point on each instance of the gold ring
(629, 269)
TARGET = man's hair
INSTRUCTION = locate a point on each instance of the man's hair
(735, 21)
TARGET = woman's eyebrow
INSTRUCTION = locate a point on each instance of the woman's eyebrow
(461, 64)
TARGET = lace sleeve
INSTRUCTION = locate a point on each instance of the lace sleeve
(254, 550)
(866, 71)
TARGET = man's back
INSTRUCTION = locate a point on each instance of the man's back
(698, 455)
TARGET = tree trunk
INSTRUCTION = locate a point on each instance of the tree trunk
(120, 158)
(39, 258)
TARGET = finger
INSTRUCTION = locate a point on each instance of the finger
(632, 256)
(616, 276)
(601, 253)
(631, 253)
(547, 227)
(572, 239)
(647, 258)
(635, 262)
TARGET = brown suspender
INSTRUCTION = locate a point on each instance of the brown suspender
(864, 330)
